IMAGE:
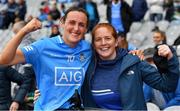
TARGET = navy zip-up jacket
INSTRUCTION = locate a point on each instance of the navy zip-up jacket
(132, 74)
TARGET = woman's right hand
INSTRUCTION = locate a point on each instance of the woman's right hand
(36, 95)
(33, 25)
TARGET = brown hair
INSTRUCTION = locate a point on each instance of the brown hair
(163, 35)
(123, 43)
(63, 19)
(106, 25)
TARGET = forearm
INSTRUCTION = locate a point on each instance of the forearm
(10, 54)
(23, 89)
(20, 96)
(165, 82)
(172, 75)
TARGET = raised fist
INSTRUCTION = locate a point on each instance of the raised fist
(33, 25)
(164, 51)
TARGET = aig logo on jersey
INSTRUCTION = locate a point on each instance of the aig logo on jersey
(68, 76)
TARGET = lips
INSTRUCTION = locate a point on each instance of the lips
(74, 34)
(104, 49)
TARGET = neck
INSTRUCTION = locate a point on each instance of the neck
(70, 44)
(110, 58)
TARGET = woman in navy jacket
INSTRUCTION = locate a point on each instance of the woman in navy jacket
(115, 78)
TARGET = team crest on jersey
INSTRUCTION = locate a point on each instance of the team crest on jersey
(82, 57)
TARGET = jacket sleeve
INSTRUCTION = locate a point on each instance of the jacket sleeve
(166, 82)
(176, 99)
(24, 81)
(147, 92)
(14, 75)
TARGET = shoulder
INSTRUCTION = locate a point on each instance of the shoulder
(134, 61)
(3, 69)
(131, 56)
(85, 43)
(131, 59)
(46, 41)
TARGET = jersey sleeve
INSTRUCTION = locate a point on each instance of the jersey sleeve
(32, 51)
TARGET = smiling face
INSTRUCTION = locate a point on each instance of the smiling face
(105, 42)
(158, 38)
(74, 26)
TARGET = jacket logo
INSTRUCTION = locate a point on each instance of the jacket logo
(131, 72)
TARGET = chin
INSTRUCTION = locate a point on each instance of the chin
(75, 41)
(105, 56)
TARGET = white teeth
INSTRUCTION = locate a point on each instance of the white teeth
(74, 34)
(103, 49)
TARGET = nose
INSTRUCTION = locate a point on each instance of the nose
(76, 27)
(103, 41)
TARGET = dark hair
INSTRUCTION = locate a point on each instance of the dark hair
(121, 34)
(75, 9)
(54, 25)
(149, 53)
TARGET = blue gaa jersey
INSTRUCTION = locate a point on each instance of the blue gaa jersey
(59, 70)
